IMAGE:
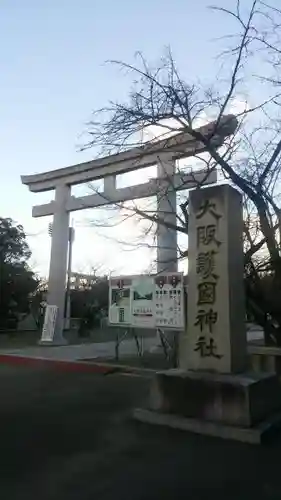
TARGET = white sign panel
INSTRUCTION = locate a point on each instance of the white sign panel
(148, 301)
(169, 301)
(120, 301)
(49, 324)
(142, 303)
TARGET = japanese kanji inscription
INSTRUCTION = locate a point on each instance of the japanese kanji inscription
(215, 338)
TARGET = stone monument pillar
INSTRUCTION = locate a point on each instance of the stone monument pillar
(216, 335)
(212, 392)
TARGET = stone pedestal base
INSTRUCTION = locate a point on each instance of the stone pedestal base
(200, 401)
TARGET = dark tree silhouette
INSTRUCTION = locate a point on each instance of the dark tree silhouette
(17, 281)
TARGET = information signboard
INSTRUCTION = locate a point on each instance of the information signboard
(147, 301)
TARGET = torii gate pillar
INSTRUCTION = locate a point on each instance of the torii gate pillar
(58, 261)
(167, 210)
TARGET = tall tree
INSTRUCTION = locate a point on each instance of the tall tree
(162, 102)
(17, 281)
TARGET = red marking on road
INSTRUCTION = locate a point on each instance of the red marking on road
(67, 366)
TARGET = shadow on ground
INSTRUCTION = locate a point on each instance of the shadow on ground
(70, 436)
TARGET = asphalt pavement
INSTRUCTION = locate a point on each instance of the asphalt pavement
(66, 436)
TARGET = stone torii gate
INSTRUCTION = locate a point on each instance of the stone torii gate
(164, 154)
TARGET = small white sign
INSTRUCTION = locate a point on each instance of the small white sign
(49, 324)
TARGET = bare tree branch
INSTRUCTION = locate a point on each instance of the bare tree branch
(161, 103)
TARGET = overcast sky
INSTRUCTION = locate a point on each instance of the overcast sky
(52, 55)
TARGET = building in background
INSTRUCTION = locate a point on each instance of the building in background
(79, 281)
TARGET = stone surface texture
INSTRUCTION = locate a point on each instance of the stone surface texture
(238, 400)
(215, 251)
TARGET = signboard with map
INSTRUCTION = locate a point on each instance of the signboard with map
(154, 301)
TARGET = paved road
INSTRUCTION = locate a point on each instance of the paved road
(69, 436)
(97, 349)
(81, 351)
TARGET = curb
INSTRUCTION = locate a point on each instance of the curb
(78, 366)
(61, 365)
